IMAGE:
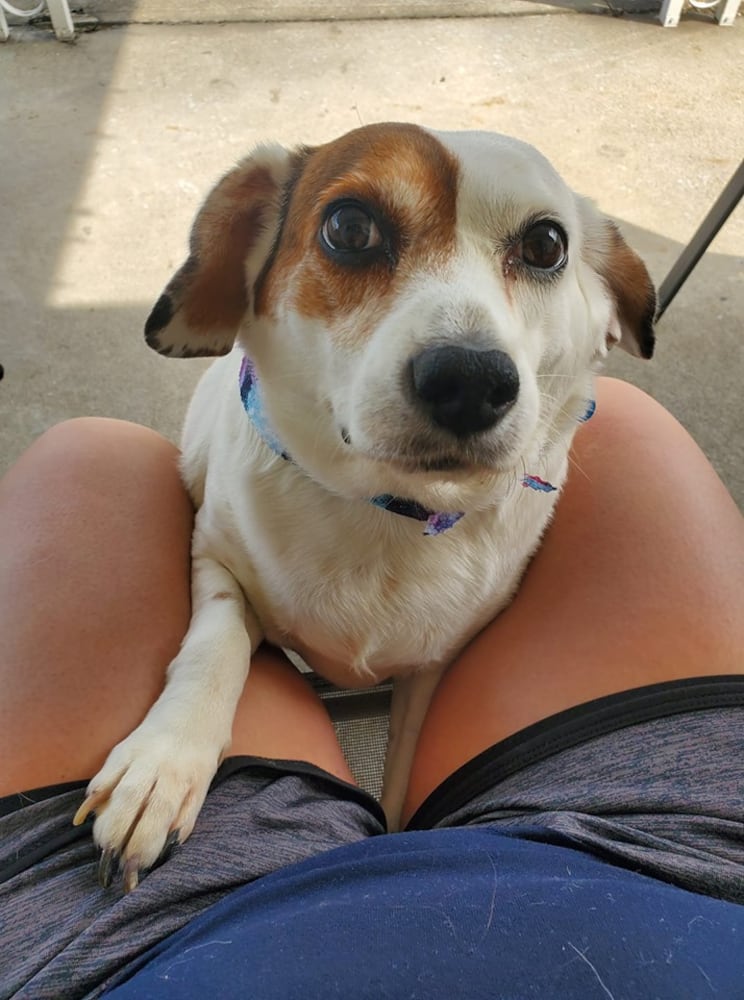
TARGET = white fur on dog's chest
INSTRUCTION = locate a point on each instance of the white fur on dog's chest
(362, 621)
(362, 594)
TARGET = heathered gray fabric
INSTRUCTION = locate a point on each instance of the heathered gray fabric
(62, 936)
(664, 797)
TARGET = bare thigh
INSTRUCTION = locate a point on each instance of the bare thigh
(638, 581)
(95, 533)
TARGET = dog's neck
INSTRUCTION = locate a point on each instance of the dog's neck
(436, 522)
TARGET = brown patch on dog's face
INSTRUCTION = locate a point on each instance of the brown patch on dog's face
(406, 181)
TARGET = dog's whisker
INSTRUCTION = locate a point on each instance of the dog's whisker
(572, 461)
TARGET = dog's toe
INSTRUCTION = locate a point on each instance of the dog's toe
(93, 800)
(146, 799)
(135, 827)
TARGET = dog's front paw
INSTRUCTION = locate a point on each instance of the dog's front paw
(146, 798)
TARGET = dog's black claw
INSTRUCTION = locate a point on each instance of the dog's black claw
(174, 839)
(108, 863)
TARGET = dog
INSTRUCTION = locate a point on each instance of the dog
(409, 322)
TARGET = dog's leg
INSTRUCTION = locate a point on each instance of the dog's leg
(150, 790)
(412, 695)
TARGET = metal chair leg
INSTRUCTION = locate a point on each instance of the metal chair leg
(726, 202)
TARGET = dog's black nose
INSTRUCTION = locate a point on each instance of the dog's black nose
(463, 389)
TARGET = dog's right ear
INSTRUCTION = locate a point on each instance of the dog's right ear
(203, 304)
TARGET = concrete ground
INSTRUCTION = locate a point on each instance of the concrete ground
(108, 145)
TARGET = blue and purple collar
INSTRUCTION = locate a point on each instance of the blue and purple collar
(437, 522)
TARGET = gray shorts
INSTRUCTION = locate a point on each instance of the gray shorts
(651, 779)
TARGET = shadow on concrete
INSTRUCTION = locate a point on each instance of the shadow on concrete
(615, 8)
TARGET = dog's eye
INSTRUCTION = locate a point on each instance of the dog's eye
(543, 246)
(349, 228)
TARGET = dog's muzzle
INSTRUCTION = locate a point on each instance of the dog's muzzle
(463, 390)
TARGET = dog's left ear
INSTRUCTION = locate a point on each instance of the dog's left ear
(628, 282)
(202, 306)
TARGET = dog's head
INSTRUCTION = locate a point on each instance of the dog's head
(424, 310)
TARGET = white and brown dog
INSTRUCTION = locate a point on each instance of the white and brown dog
(418, 316)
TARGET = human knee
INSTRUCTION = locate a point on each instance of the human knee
(91, 449)
(93, 467)
(625, 410)
(96, 440)
(656, 501)
(633, 436)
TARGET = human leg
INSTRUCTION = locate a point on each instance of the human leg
(94, 601)
(638, 581)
